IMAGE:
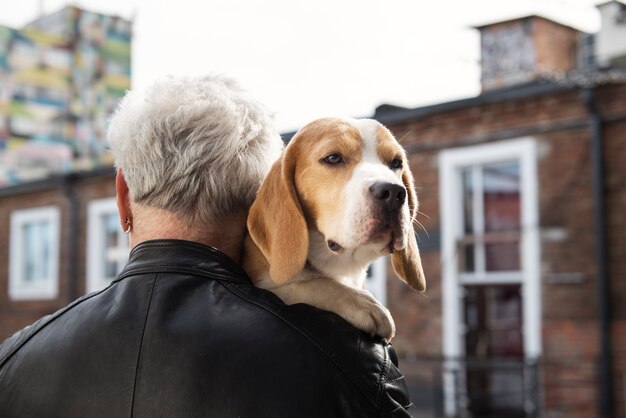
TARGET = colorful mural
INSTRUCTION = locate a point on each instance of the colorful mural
(60, 79)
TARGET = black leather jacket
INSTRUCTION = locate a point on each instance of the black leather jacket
(183, 333)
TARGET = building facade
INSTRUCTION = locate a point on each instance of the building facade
(50, 231)
(60, 78)
(523, 198)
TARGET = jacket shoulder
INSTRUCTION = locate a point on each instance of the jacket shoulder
(12, 344)
(368, 363)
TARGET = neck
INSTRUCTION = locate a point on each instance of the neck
(226, 233)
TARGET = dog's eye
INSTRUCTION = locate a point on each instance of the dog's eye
(395, 163)
(333, 159)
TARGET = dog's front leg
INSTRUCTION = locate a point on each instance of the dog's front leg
(356, 306)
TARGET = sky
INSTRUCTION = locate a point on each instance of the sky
(319, 58)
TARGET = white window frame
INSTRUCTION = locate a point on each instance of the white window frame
(95, 243)
(376, 283)
(451, 161)
(40, 290)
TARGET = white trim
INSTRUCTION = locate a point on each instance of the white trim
(451, 218)
(451, 161)
(43, 288)
(96, 250)
(376, 283)
(500, 277)
(531, 252)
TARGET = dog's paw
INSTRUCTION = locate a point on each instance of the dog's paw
(363, 311)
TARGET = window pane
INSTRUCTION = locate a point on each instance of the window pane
(30, 252)
(502, 207)
(36, 250)
(46, 249)
(501, 196)
(493, 316)
(466, 251)
(467, 258)
(494, 347)
(468, 199)
(503, 257)
(111, 237)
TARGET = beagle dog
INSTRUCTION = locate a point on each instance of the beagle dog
(340, 196)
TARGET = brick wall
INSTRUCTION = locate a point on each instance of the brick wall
(557, 46)
(568, 269)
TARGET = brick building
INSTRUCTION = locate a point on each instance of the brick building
(524, 238)
(522, 193)
(50, 230)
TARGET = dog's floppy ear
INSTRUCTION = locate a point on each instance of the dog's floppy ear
(407, 263)
(276, 222)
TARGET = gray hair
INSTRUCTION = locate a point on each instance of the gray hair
(195, 146)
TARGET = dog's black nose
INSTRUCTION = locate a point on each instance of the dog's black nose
(390, 195)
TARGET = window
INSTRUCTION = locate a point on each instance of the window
(34, 254)
(489, 244)
(376, 282)
(107, 245)
(491, 283)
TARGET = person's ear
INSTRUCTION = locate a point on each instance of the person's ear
(123, 200)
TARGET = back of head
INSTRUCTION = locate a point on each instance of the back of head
(198, 147)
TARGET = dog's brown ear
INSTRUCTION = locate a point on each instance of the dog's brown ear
(276, 222)
(407, 263)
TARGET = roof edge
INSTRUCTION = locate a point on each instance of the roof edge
(535, 88)
(526, 17)
(494, 96)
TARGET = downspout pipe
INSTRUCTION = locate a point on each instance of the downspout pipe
(72, 238)
(605, 372)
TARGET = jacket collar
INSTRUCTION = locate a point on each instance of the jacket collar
(170, 255)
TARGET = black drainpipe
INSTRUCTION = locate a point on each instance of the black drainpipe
(73, 231)
(605, 381)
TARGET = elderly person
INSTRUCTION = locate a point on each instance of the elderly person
(182, 332)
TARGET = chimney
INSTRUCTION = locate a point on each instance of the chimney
(611, 39)
(524, 50)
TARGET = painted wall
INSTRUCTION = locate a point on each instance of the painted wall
(60, 78)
